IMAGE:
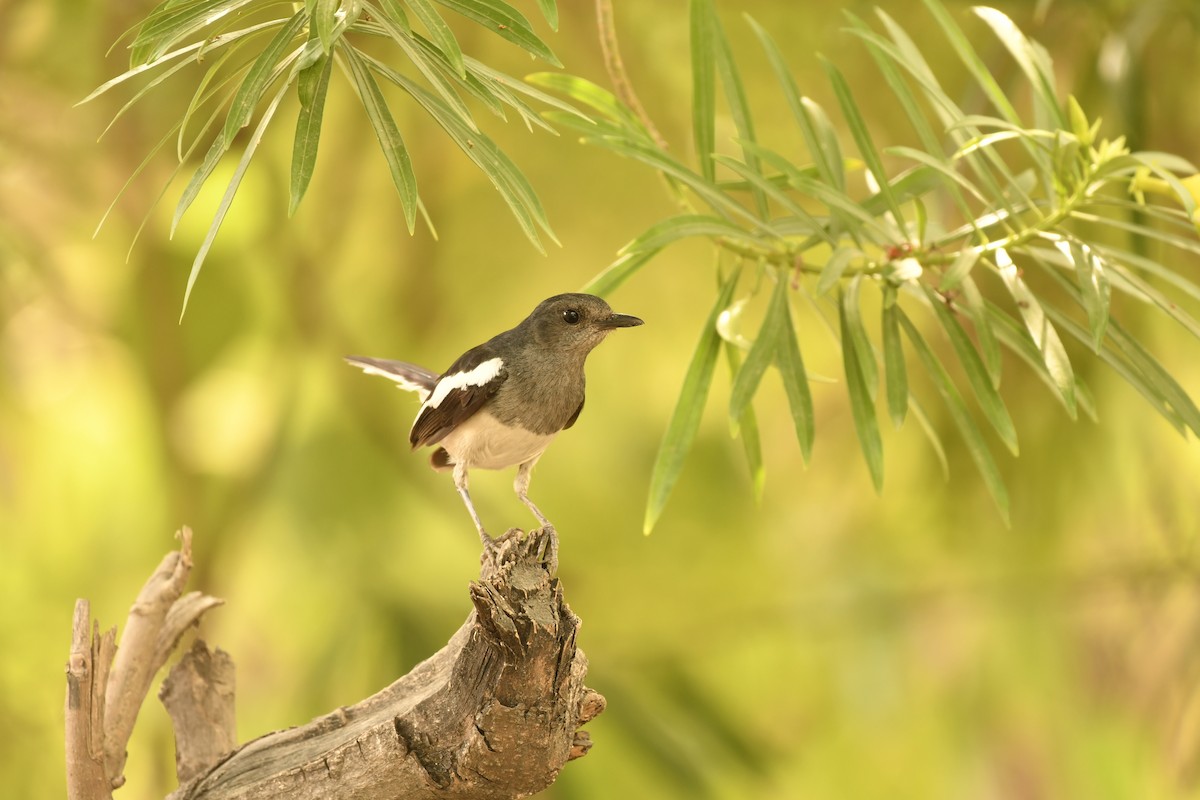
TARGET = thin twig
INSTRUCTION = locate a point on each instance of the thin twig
(622, 86)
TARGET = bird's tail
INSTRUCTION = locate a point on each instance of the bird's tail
(407, 376)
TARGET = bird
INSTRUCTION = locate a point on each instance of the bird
(501, 403)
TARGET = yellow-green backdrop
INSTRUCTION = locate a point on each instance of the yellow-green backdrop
(825, 643)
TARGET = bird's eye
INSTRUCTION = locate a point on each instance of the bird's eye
(571, 316)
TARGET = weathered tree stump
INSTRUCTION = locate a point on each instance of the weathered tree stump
(493, 714)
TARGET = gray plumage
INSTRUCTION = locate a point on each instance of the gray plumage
(501, 403)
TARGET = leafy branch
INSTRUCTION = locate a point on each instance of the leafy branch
(241, 71)
(999, 229)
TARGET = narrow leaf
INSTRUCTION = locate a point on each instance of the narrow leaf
(704, 84)
(685, 419)
(739, 106)
(1093, 287)
(1044, 335)
(819, 137)
(961, 416)
(439, 33)
(893, 360)
(506, 22)
(261, 73)
(959, 269)
(834, 267)
(230, 191)
(795, 378)
(618, 272)
(1016, 338)
(313, 84)
(747, 430)
(549, 10)
(686, 225)
(862, 406)
(852, 322)
(760, 355)
(989, 399)
(862, 138)
(513, 186)
(977, 313)
(394, 151)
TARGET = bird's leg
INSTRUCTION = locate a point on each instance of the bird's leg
(521, 487)
(460, 483)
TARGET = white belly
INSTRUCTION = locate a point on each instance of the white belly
(484, 443)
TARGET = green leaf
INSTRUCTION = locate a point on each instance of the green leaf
(618, 272)
(703, 19)
(735, 93)
(862, 137)
(433, 63)
(1016, 338)
(594, 97)
(313, 83)
(439, 34)
(835, 266)
(893, 360)
(959, 269)
(943, 167)
(1131, 373)
(761, 353)
(931, 434)
(512, 185)
(683, 226)
(505, 21)
(962, 418)
(196, 48)
(1033, 60)
(230, 191)
(262, 72)
(685, 419)
(852, 323)
(663, 162)
(549, 10)
(795, 378)
(747, 430)
(756, 181)
(1093, 288)
(1152, 372)
(1044, 335)
(819, 136)
(392, 13)
(977, 312)
(323, 22)
(171, 21)
(862, 405)
(199, 177)
(989, 399)
(394, 151)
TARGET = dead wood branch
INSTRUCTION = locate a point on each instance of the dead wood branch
(493, 714)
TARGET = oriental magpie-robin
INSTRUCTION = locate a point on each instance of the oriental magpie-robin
(501, 404)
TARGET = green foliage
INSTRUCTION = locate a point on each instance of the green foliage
(949, 228)
(239, 72)
(1009, 229)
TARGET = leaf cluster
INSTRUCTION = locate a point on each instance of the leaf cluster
(1005, 231)
(250, 54)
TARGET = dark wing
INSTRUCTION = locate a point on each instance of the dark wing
(407, 376)
(461, 391)
(574, 416)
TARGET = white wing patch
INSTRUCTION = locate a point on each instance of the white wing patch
(479, 376)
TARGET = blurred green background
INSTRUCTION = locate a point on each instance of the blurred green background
(826, 643)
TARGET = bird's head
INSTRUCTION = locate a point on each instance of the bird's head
(575, 322)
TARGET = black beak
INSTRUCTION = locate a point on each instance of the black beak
(621, 321)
